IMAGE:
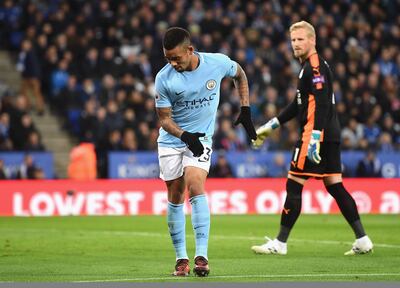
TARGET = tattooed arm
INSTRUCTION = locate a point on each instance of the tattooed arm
(242, 85)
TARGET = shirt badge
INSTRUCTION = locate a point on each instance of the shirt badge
(210, 85)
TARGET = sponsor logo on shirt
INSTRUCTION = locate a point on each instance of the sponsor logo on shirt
(196, 103)
(318, 79)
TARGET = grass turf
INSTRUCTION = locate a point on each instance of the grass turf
(139, 249)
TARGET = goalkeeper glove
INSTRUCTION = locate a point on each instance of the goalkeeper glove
(264, 131)
(193, 142)
(313, 147)
(245, 119)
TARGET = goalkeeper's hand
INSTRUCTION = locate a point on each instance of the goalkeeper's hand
(314, 146)
(245, 119)
(193, 142)
(264, 131)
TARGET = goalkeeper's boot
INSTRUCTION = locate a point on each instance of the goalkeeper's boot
(271, 247)
(201, 268)
(362, 245)
(181, 268)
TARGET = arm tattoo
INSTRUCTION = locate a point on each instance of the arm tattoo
(242, 85)
(164, 115)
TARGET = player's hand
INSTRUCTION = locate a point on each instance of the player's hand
(193, 142)
(313, 147)
(245, 119)
(264, 131)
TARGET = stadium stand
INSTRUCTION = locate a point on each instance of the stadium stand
(98, 60)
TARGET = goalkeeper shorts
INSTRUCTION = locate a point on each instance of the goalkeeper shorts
(330, 164)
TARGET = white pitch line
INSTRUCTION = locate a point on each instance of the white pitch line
(330, 242)
(245, 276)
(327, 242)
(220, 237)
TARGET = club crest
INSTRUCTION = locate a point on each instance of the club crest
(210, 85)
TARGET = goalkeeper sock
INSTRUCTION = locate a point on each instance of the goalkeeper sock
(291, 209)
(358, 229)
(200, 223)
(176, 226)
(348, 207)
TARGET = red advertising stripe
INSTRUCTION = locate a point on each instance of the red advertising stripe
(226, 196)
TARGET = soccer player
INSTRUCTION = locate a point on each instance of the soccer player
(187, 97)
(317, 153)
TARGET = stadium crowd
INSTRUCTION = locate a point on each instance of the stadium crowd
(98, 59)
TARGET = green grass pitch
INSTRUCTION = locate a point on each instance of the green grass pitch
(138, 249)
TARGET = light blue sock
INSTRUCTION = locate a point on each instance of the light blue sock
(176, 226)
(200, 223)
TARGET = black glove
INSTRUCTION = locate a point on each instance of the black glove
(193, 142)
(245, 119)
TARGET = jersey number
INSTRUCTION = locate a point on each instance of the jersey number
(206, 156)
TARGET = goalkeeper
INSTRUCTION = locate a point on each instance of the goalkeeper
(317, 152)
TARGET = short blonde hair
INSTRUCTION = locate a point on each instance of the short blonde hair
(304, 25)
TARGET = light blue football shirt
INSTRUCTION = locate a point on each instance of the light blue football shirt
(193, 96)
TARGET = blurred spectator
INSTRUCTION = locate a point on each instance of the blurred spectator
(29, 66)
(91, 67)
(107, 90)
(101, 127)
(222, 168)
(69, 97)
(59, 79)
(110, 63)
(88, 120)
(101, 137)
(39, 174)
(393, 129)
(132, 66)
(371, 130)
(143, 133)
(15, 107)
(369, 166)
(114, 118)
(27, 169)
(4, 131)
(387, 64)
(351, 135)
(129, 141)
(280, 166)
(226, 138)
(83, 164)
(89, 90)
(10, 24)
(4, 89)
(22, 127)
(33, 142)
(114, 141)
(3, 175)
(129, 119)
(385, 143)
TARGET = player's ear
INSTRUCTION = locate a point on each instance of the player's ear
(190, 49)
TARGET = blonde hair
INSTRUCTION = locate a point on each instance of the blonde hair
(303, 25)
